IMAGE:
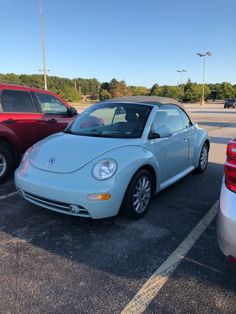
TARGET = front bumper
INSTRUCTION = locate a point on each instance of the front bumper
(226, 222)
(63, 192)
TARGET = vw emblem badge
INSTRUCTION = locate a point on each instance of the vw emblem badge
(50, 162)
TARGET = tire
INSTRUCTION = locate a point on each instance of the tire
(203, 159)
(6, 163)
(138, 195)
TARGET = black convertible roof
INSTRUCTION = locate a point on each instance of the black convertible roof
(152, 100)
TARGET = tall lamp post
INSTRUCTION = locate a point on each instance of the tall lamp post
(40, 70)
(181, 79)
(43, 46)
(208, 53)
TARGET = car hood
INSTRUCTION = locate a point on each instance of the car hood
(65, 153)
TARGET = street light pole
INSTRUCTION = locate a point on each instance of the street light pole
(208, 53)
(43, 46)
(181, 79)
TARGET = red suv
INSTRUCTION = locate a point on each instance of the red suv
(26, 116)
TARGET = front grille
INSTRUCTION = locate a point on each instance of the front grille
(54, 205)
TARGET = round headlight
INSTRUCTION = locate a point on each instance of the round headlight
(104, 169)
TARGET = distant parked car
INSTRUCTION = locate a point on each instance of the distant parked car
(27, 115)
(115, 156)
(230, 103)
(226, 222)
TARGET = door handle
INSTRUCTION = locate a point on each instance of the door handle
(52, 121)
(9, 121)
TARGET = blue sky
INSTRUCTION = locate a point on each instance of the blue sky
(141, 41)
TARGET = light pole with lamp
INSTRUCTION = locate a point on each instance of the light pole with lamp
(208, 53)
(43, 47)
(181, 79)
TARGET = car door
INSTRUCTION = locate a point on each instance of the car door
(171, 152)
(55, 112)
(191, 132)
(20, 117)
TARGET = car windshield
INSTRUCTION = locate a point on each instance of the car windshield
(115, 120)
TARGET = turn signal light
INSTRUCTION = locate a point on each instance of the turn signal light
(99, 197)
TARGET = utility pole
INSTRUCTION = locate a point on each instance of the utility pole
(75, 85)
(43, 46)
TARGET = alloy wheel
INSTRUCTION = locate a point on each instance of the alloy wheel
(3, 165)
(204, 157)
(141, 194)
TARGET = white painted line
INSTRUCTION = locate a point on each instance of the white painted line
(8, 195)
(153, 285)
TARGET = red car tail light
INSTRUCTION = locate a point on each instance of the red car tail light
(230, 166)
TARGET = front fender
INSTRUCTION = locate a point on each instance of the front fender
(130, 159)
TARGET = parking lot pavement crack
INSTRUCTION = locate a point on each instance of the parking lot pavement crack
(202, 265)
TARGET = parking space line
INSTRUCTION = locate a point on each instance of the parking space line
(8, 195)
(154, 284)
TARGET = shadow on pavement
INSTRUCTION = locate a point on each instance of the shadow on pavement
(219, 112)
(218, 124)
(220, 140)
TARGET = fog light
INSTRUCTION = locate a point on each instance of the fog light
(74, 209)
(99, 197)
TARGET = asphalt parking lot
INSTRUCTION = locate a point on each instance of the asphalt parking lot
(52, 263)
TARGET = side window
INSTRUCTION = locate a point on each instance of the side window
(169, 116)
(186, 121)
(50, 104)
(161, 119)
(174, 120)
(16, 101)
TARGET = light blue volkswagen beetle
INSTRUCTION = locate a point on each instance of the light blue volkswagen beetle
(113, 158)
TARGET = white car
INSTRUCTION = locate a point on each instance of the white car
(226, 221)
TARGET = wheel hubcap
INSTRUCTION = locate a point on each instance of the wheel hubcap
(204, 157)
(142, 194)
(3, 165)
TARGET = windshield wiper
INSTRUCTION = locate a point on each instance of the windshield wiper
(68, 132)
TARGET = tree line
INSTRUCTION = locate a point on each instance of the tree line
(75, 89)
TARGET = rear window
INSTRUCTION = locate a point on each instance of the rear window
(16, 101)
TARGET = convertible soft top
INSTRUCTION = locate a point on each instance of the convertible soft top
(152, 100)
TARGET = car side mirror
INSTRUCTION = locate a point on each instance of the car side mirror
(160, 132)
(72, 111)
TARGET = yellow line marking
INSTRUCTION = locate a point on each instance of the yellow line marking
(154, 284)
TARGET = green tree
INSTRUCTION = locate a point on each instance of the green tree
(156, 90)
(106, 86)
(193, 92)
(175, 92)
(138, 90)
(234, 87)
(226, 90)
(104, 95)
(70, 94)
(118, 88)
